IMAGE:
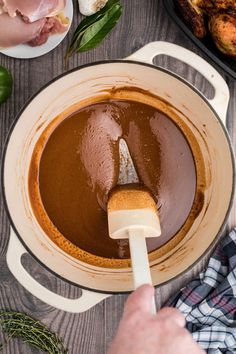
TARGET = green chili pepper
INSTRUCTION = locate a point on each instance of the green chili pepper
(5, 84)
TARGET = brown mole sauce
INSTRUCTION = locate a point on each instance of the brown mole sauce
(80, 164)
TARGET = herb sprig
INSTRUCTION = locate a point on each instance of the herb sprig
(93, 29)
(31, 331)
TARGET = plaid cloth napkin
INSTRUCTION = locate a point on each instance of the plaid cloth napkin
(209, 302)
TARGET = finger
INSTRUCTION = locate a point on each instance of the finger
(140, 300)
(171, 314)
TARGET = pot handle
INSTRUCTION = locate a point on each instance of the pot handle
(87, 300)
(221, 98)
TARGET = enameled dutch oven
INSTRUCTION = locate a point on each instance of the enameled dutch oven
(206, 120)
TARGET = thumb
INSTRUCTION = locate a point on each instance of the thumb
(140, 300)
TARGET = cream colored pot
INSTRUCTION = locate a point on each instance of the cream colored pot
(205, 118)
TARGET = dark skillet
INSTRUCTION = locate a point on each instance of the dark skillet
(206, 45)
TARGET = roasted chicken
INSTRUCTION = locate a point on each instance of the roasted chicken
(223, 31)
(193, 16)
(219, 16)
(216, 6)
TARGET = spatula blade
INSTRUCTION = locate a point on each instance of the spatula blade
(127, 172)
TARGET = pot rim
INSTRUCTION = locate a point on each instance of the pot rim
(120, 61)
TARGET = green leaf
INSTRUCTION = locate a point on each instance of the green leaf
(88, 21)
(93, 18)
(86, 27)
(95, 34)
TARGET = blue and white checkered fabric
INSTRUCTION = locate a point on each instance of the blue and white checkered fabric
(209, 302)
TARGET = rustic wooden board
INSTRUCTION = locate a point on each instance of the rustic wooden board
(91, 332)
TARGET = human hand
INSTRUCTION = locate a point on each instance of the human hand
(140, 332)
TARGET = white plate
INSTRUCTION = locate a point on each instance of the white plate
(24, 51)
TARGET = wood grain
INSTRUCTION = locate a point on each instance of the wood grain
(91, 332)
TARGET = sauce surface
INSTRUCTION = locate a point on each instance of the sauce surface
(80, 165)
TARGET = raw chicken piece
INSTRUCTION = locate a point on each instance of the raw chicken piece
(1, 7)
(30, 21)
(60, 6)
(14, 31)
(33, 10)
(223, 31)
(52, 25)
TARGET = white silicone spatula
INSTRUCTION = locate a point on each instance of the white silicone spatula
(132, 214)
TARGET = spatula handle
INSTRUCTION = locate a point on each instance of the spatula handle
(140, 262)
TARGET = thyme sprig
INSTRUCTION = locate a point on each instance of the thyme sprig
(31, 331)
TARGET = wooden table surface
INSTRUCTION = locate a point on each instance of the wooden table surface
(91, 332)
